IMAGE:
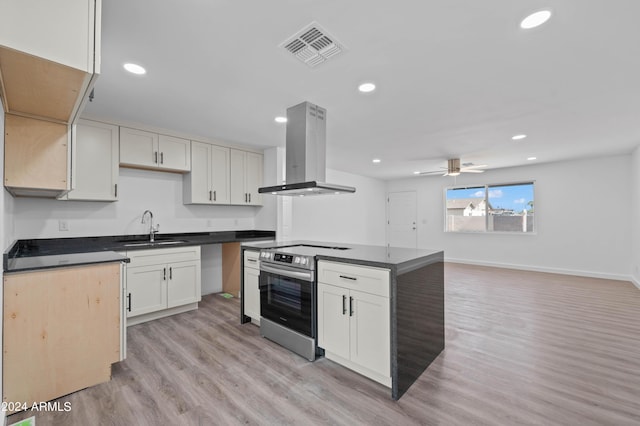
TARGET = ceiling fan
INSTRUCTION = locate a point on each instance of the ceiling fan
(454, 169)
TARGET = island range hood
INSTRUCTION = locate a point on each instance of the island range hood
(306, 154)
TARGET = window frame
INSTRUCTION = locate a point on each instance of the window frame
(486, 215)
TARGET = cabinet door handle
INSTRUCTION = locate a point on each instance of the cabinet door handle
(129, 302)
(164, 278)
(348, 278)
(350, 306)
(214, 195)
(245, 197)
(210, 193)
(155, 157)
(344, 304)
(170, 272)
(115, 191)
(162, 158)
(249, 197)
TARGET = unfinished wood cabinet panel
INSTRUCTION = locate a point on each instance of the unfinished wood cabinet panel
(36, 154)
(38, 87)
(231, 268)
(61, 330)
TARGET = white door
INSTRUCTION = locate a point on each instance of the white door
(96, 161)
(138, 148)
(219, 175)
(254, 177)
(183, 283)
(200, 176)
(238, 193)
(252, 293)
(175, 153)
(370, 332)
(401, 219)
(333, 319)
(146, 289)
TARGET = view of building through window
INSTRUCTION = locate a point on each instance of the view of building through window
(490, 208)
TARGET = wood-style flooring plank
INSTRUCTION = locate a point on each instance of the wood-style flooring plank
(521, 348)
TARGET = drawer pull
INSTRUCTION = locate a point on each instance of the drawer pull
(348, 278)
(252, 260)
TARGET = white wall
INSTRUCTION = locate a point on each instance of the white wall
(583, 213)
(347, 218)
(635, 221)
(138, 190)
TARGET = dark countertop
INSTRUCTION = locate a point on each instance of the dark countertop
(398, 259)
(56, 252)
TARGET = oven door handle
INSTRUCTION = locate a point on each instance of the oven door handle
(306, 276)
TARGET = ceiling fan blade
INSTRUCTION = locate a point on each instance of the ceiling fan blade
(471, 171)
(433, 172)
(475, 166)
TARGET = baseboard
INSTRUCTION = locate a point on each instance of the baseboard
(579, 273)
(635, 281)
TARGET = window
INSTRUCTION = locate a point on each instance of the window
(490, 208)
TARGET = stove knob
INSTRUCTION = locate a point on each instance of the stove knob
(296, 260)
(303, 261)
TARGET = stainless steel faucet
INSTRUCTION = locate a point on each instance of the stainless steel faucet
(152, 229)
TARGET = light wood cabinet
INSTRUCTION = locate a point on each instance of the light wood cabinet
(246, 177)
(162, 282)
(208, 181)
(354, 318)
(49, 56)
(95, 162)
(251, 283)
(148, 150)
(61, 330)
(36, 157)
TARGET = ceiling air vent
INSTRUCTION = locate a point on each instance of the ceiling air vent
(312, 45)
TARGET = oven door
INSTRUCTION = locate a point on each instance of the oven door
(287, 297)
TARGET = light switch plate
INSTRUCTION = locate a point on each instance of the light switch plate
(63, 225)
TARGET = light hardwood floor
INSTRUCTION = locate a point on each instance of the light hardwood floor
(521, 348)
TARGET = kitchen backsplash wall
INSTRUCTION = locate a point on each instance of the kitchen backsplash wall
(138, 190)
(584, 216)
(348, 218)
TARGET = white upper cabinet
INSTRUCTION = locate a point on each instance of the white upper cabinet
(208, 182)
(148, 150)
(62, 31)
(95, 162)
(246, 177)
(49, 56)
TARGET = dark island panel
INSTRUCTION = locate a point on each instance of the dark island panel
(419, 323)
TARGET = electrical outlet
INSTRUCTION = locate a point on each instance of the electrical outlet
(209, 223)
(63, 225)
(235, 221)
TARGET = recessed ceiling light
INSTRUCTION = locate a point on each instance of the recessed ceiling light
(531, 158)
(134, 69)
(535, 19)
(416, 173)
(376, 160)
(281, 119)
(518, 137)
(367, 87)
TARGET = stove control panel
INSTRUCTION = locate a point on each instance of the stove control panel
(298, 261)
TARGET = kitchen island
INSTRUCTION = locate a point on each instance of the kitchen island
(416, 300)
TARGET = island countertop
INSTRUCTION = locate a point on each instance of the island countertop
(398, 259)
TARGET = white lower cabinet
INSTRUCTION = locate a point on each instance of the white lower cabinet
(162, 282)
(251, 299)
(354, 318)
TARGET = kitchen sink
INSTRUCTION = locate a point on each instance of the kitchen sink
(154, 243)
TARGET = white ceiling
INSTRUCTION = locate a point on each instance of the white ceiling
(455, 78)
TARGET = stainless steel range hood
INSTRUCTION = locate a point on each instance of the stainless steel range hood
(306, 154)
